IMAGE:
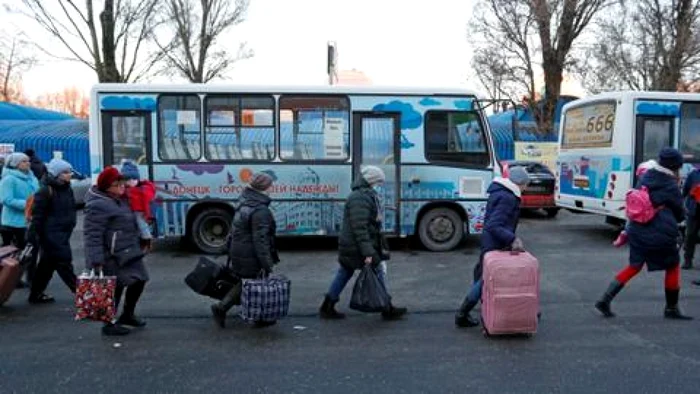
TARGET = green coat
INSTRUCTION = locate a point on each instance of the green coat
(360, 235)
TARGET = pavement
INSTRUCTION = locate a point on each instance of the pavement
(43, 350)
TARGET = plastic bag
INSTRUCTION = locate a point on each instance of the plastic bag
(369, 294)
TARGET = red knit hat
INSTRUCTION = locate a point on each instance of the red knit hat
(107, 177)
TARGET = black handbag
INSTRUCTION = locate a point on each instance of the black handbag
(211, 279)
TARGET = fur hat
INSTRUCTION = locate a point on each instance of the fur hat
(107, 177)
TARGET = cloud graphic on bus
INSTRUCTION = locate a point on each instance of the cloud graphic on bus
(410, 118)
(125, 102)
(199, 169)
(463, 104)
(428, 101)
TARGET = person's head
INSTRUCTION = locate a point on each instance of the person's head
(30, 152)
(131, 174)
(18, 161)
(373, 175)
(110, 181)
(60, 169)
(671, 159)
(261, 182)
(519, 177)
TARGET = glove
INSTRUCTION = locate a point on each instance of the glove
(517, 245)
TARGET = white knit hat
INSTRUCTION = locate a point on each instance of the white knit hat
(373, 174)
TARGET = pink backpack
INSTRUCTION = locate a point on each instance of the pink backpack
(638, 205)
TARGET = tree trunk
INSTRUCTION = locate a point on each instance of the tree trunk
(110, 73)
(552, 89)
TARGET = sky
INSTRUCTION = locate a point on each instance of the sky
(394, 42)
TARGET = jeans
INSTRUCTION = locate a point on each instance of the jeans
(475, 292)
(343, 276)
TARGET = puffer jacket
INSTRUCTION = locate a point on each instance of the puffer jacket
(360, 235)
(15, 188)
(107, 217)
(253, 230)
(656, 242)
(502, 215)
(53, 219)
(691, 205)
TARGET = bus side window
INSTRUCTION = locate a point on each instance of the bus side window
(455, 137)
(179, 130)
(690, 131)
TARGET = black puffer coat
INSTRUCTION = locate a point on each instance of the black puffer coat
(655, 243)
(360, 235)
(53, 219)
(253, 236)
(105, 218)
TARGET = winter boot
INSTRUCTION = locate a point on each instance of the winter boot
(603, 305)
(393, 313)
(327, 310)
(219, 310)
(672, 311)
(463, 317)
(111, 329)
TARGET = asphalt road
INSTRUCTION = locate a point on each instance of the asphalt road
(181, 350)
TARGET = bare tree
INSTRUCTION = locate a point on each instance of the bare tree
(15, 59)
(525, 31)
(112, 43)
(196, 31)
(649, 45)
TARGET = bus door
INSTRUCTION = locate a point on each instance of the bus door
(126, 135)
(653, 133)
(376, 141)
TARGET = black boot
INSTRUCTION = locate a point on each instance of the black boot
(219, 310)
(687, 264)
(111, 329)
(672, 311)
(327, 310)
(393, 313)
(603, 305)
(128, 317)
(463, 317)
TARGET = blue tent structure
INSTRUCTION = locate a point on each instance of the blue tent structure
(46, 132)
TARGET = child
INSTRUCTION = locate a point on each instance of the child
(141, 194)
(643, 167)
(500, 222)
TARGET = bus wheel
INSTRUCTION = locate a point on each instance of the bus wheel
(441, 229)
(210, 229)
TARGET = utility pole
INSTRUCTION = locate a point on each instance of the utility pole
(332, 61)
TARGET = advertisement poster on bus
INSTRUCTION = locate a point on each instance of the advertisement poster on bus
(541, 152)
(589, 126)
(6, 149)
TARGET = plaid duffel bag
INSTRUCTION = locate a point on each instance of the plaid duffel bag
(266, 299)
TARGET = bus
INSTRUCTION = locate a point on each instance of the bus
(200, 144)
(603, 138)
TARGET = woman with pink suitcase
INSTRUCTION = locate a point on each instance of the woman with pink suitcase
(500, 223)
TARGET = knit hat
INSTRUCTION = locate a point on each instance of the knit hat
(29, 152)
(13, 159)
(519, 176)
(130, 171)
(107, 177)
(261, 181)
(58, 166)
(670, 158)
(373, 175)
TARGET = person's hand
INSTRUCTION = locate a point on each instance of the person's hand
(147, 245)
(368, 260)
(517, 245)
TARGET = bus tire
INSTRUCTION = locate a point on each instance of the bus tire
(210, 229)
(551, 212)
(441, 229)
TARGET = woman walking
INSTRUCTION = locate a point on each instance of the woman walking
(655, 243)
(113, 245)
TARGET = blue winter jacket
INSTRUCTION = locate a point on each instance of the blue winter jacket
(15, 188)
(502, 214)
(691, 181)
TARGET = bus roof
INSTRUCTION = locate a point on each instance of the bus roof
(635, 94)
(271, 89)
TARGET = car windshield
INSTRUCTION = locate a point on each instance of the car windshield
(532, 167)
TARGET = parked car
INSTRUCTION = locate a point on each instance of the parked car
(540, 192)
(80, 185)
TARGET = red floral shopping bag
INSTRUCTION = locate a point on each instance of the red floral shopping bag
(94, 297)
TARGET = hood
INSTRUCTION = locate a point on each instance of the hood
(504, 184)
(360, 183)
(6, 172)
(658, 177)
(251, 198)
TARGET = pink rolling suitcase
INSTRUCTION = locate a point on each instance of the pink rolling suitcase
(510, 298)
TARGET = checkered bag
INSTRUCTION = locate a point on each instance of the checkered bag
(266, 299)
(94, 297)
